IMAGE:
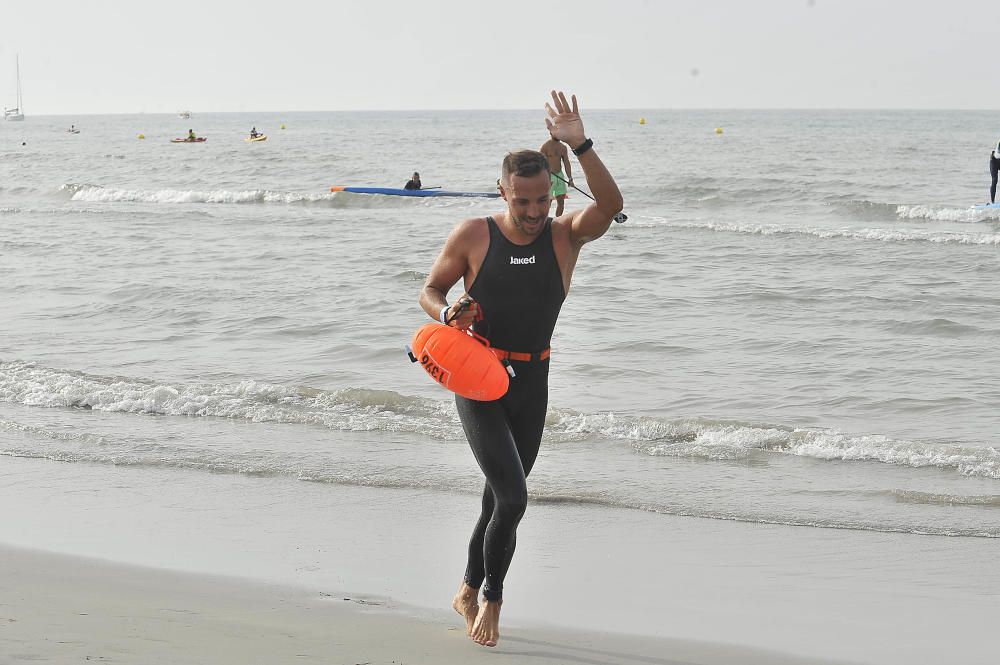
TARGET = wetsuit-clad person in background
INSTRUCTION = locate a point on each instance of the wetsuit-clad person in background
(516, 267)
(994, 169)
(413, 183)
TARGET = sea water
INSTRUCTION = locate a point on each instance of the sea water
(797, 325)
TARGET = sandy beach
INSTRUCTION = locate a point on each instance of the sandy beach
(231, 569)
(64, 609)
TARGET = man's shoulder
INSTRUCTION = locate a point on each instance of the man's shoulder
(563, 224)
(550, 146)
(470, 230)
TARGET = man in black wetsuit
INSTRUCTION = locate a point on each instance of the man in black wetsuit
(516, 267)
(994, 169)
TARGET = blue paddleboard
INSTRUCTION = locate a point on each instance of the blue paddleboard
(388, 191)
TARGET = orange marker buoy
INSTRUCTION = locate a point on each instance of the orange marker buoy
(460, 362)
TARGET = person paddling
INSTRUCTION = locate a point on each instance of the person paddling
(413, 182)
(516, 267)
(994, 169)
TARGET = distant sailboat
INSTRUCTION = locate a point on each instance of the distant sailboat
(16, 113)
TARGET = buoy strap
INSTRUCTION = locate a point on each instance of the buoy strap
(522, 357)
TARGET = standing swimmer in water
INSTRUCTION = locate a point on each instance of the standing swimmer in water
(558, 156)
(994, 169)
(516, 268)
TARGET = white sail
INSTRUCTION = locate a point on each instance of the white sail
(16, 113)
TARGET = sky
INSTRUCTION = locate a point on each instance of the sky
(111, 56)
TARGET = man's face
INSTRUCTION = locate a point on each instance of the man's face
(529, 199)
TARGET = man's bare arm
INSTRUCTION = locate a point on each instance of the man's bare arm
(567, 165)
(592, 222)
(450, 266)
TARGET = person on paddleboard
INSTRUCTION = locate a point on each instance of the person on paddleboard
(516, 267)
(558, 156)
(994, 169)
(414, 182)
(254, 133)
(191, 136)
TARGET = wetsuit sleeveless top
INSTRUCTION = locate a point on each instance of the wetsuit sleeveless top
(520, 291)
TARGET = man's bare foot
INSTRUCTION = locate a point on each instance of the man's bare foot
(486, 629)
(466, 603)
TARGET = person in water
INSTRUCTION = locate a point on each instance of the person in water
(558, 155)
(994, 169)
(253, 133)
(414, 182)
(516, 267)
(191, 136)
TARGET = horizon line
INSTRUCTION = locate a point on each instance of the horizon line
(540, 110)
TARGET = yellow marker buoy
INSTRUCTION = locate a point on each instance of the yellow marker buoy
(142, 136)
(642, 121)
(718, 130)
(282, 125)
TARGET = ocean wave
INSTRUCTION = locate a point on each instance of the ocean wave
(349, 409)
(861, 210)
(17, 189)
(875, 234)
(868, 210)
(98, 194)
(722, 440)
(364, 410)
(945, 214)
(939, 327)
(936, 499)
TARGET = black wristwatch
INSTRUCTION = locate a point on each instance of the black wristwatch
(583, 147)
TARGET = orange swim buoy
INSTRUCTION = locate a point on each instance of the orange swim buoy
(460, 362)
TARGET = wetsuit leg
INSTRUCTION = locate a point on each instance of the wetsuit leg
(475, 569)
(994, 166)
(504, 436)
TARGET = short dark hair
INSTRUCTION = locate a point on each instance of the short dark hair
(524, 163)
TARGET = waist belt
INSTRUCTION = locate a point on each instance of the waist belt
(522, 357)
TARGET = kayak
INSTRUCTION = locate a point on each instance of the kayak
(987, 206)
(388, 191)
(200, 139)
(260, 137)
